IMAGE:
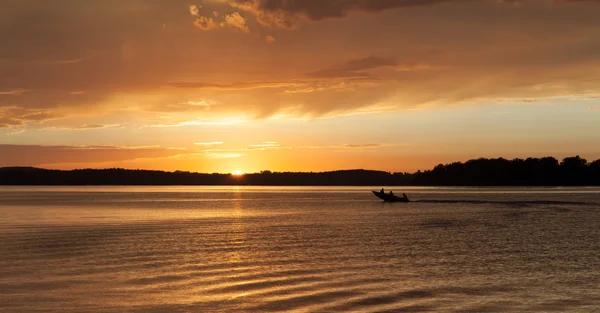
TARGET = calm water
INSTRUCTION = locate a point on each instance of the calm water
(252, 249)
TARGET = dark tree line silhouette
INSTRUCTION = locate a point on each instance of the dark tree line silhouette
(116, 176)
(572, 171)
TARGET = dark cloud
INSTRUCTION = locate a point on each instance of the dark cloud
(287, 13)
(593, 1)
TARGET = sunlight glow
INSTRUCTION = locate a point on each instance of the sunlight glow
(237, 173)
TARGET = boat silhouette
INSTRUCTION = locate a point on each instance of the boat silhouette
(386, 197)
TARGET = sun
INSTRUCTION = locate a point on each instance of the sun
(237, 173)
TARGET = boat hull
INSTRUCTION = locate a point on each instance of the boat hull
(388, 198)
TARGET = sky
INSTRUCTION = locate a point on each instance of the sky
(296, 85)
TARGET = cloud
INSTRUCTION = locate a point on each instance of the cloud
(353, 146)
(272, 145)
(195, 10)
(211, 143)
(34, 155)
(183, 106)
(270, 39)
(205, 23)
(202, 22)
(370, 145)
(16, 132)
(396, 60)
(411, 67)
(236, 85)
(354, 68)
(15, 92)
(83, 127)
(200, 123)
(513, 2)
(14, 116)
(265, 145)
(338, 84)
(216, 155)
(288, 14)
(235, 20)
(575, 1)
(527, 100)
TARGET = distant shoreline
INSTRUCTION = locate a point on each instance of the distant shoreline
(544, 172)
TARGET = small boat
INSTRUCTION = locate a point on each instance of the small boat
(386, 197)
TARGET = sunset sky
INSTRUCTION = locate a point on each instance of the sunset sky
(296, 85)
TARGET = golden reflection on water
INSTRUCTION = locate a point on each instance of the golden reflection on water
(238, 233)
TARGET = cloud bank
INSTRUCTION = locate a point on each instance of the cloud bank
(151, 60)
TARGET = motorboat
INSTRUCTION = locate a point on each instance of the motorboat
(389, 197)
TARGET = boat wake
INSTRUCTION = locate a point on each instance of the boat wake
(528, 202)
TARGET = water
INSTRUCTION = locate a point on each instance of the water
(270, 249)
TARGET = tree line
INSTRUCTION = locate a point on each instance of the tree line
(548, 171)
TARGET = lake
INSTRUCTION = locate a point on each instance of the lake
(298, 249)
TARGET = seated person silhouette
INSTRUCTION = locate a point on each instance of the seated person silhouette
(391, 193)
(404, 196)
(382, 191)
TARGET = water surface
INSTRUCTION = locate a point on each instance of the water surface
(298, 249)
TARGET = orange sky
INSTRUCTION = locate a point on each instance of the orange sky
(250, 85)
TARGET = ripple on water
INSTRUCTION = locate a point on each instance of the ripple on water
(492, 255)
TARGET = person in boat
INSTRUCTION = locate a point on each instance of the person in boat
(382, 191)
(391, 193)
(404, 197)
